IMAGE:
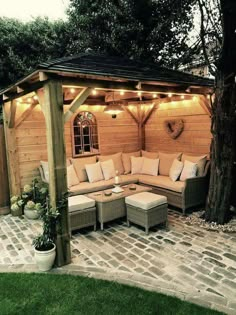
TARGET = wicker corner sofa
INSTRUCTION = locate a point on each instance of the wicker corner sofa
(190, 193)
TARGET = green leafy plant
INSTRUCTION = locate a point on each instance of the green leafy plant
(34, 195)
(50, 217)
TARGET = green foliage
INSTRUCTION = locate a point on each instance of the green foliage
(54, 294)
(25, 45)
(50, 217)
(146, 29)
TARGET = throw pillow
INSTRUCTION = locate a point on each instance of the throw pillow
(79, 165)
(127, 162)
(150, 166)
(44, 165)
(108, 169)
(94, 172)
(136, 165)
(72, 178)
(189, 170)
(150, 155)
(117, 160)
(166, 160)
(200, 160)
(175, 170)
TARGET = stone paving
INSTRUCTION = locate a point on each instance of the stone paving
(183, 260)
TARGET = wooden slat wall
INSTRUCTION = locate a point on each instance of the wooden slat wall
(115, 135)
(196, 136)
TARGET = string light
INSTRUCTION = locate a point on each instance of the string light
(94, 92)
(122, 92)
(170, 95)
(154, 95)
(182, 97)
(35, 97)
(29, 100)
(139, 93)
(72, 90)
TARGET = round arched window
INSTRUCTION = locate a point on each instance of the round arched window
(85, 135)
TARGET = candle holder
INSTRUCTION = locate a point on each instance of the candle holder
(117, 181)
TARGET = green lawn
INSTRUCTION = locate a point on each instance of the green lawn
(66, 295)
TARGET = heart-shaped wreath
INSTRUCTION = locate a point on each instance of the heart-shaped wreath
(174, 127)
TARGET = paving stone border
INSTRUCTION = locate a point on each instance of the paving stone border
(183, 260)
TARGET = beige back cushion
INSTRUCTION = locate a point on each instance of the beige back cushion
(200, 160)
(117, 160)
(166, 160)
(127, 162)
(150, 155)
(79, 166)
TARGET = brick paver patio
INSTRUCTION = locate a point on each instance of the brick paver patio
(183, 260)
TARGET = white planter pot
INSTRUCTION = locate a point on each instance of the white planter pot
(31, 214)
(45, 259)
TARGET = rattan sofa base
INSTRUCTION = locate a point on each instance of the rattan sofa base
(83, 218)
(147, 218)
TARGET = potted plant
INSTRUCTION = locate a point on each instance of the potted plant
(34, 196)
(16, 205)
(44, 244)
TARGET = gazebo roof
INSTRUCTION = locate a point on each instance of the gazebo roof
(101, 65)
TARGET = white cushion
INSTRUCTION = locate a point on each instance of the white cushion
(145, 200)
(44, 165)
(176, 169)
(79, 165)
(150, 166)
(94, 172)
(108, 169)
(81, 202)
(136, 165)
(72, 178)
(189, 170)
(117, 160)
(126, 159)
(200, 160)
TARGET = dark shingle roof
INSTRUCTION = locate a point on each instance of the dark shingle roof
(117, 67)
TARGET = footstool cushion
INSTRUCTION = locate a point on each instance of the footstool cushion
(146, 209)
(82, 212)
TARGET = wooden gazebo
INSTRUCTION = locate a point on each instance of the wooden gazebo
(39, 109)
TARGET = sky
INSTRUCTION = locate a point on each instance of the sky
(26, 10)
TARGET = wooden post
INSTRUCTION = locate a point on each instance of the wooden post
(54, 118)
(11, 150)
(4, 191)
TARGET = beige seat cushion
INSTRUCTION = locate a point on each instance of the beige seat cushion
(86, 187)
(166, 160)
(117, 160)
(162, 182)
(150, 155)
(127, 161)
(145, 200)
(76, 203)
(200, 160)
(79, 165)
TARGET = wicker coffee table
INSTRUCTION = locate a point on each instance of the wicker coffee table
(113, 207)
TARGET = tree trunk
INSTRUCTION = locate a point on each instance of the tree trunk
(223, 121)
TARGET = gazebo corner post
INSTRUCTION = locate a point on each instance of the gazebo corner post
(54, 118)
(9, 110)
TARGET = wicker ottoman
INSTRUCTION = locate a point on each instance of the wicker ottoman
(146, 209)
(82, 212)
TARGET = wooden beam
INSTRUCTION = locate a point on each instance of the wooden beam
(54, 118)
(24, 115)
(79, 100)
(40, 95)
(126, 109)
(42, 76)
(205, 104)
(149, 113)
(12, 115)
(12, 154)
